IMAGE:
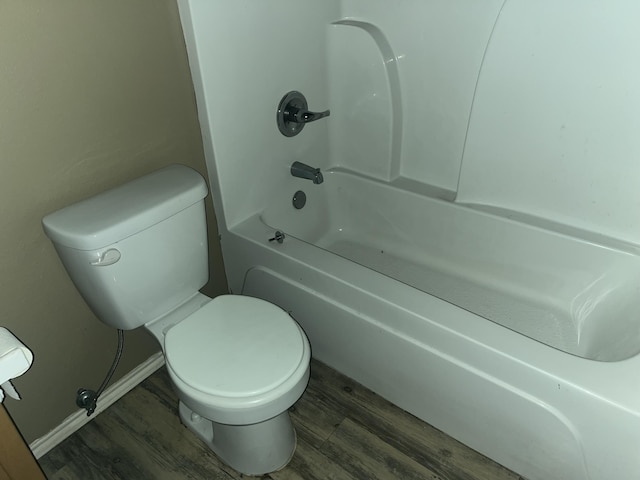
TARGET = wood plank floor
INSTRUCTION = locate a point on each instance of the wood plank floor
(344, 432)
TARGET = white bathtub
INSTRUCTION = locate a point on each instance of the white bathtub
(520, 342)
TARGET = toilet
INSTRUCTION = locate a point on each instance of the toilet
(138, 255)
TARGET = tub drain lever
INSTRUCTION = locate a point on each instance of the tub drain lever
(279, 237)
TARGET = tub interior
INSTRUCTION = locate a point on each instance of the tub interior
(572, 294)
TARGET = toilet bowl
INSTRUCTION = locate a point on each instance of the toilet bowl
(238, 364)
(138, 256)
(238, 360)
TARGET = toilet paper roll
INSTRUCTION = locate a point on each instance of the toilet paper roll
(15, 359)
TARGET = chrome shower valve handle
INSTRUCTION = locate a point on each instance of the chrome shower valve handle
(293, 114)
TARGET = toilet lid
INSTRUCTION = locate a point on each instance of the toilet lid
(235, 346)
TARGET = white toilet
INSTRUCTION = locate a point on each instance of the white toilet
(138, 256)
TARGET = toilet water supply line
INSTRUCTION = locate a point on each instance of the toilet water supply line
(88, 399)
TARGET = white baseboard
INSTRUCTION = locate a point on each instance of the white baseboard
(73, 422)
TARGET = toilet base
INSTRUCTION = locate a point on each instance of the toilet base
(249, 449)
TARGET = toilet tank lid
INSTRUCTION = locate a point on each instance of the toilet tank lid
(118, 213)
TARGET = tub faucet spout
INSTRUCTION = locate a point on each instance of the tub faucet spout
(301, 170)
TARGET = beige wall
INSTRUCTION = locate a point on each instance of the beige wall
(92, 93)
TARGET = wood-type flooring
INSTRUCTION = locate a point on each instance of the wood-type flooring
(344, 432)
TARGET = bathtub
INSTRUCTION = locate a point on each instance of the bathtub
(519, 341)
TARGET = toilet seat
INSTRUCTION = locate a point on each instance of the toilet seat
(237, 351)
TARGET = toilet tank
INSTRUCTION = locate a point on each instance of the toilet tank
(138, 251)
